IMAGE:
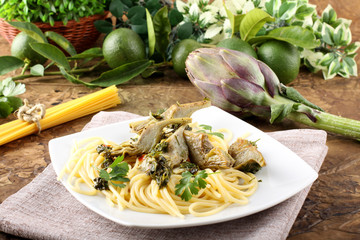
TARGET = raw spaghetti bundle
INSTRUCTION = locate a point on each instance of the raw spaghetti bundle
(92, 103)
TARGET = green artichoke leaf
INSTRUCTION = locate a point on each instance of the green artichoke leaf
(293, 94)
(281, 111)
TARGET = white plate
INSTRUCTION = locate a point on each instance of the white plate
(284, 175)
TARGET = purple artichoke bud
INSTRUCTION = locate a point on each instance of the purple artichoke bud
(237, 82)
(232, 80)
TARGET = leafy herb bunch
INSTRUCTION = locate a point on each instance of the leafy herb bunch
(212, 21)
(150, 19)
(49, 11)
(336, 53)
(71, 67)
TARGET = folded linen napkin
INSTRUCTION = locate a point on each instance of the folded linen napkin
(44, 209)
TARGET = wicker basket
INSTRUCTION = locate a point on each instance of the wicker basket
(82, 34)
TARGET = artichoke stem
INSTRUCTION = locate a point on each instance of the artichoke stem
(329, 122)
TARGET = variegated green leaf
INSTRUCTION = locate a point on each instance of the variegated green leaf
(332, 70)
(335, 66)
(287, 10)
(327, 33)
(342, 35)
(318, 25)
(304, 11)
(344, 71)
(339, 34)
(344, 21)
(326, 74)
(327, 59)
(351, 65)
(272, 7)
(352, 48)
(329, 15)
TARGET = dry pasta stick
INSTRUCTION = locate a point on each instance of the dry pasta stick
(92, 103)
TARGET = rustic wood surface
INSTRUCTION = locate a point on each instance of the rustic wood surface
(332, 208)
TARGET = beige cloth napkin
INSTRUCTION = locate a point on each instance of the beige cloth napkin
(44, 209)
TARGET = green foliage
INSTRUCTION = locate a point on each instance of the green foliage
(152, 20)
(8, 102)
(53, 53)
(9, 63)
(121, 74)
(252, 22)
(31, 30)
(162, 30)
(295, 35)
(69, 66)
(119, 170)
(208, 130)
(190, 184)
(334, 53)
(62, 42)
(49, 11)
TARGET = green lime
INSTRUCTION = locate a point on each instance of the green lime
(282, 57)
(21, 48)
(123, 46)
(181, 52)
(238, 45)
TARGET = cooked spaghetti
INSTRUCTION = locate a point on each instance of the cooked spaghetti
(152, 191)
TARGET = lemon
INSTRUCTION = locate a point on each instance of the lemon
(123, 46)
(21, 48)
(238, 45)
(181, 52)
(282, 57)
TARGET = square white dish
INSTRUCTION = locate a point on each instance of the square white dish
(284, 175)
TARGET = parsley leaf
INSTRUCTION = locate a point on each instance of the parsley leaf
(190, 184)
(208, 130)
(119, 170)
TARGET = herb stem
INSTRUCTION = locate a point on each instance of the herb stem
(74, 71)
(26, 66)
(162, 64)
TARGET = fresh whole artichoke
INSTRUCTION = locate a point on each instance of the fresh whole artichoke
(237, 82)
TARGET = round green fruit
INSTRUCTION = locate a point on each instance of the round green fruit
(181, 52)
(238, 45)
(123, 46)
(282, 57)
(21, 48)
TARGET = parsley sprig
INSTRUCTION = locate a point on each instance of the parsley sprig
(208, 130)
(190, 184)
(119, 170)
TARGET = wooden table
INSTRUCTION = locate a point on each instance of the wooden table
(332, 208)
